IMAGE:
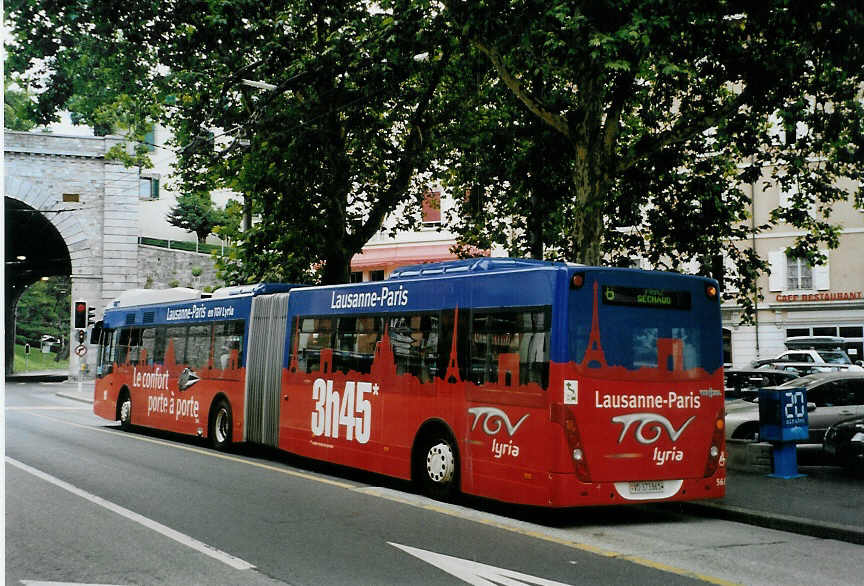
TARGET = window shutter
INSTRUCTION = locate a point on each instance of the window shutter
(821, 273)
(777, 278)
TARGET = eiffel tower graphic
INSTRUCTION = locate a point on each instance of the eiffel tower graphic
(594, 352)
(452, 374)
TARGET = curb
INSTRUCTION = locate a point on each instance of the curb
(789, 523)
(76, 397)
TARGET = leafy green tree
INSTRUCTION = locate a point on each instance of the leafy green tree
(195, 212)
(43, 309)
(321, 158)
(16, 107)
(668, 112)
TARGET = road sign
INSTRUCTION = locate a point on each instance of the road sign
(81, 350)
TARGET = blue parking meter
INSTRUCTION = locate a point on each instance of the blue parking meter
(782, 421)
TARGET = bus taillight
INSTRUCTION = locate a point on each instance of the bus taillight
(716, 449)
(564, 417)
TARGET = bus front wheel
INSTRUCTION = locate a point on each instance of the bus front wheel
(437, 467)
(125, 411)
(220, 426)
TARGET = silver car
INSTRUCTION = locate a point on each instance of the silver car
(831, 397)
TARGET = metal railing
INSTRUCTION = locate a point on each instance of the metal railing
(184, 245)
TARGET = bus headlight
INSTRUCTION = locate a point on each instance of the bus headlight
(578, 455)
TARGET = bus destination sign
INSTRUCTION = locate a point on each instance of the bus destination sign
(643, 297)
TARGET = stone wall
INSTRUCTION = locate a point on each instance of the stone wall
(160, 268)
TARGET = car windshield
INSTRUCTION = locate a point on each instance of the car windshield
(834, 357)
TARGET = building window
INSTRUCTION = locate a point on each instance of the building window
(825, 331)
(150, 140)
(356, 276)
(376, 275)
(148, 188)
(795, 332)
(431, 211)
(799, 274)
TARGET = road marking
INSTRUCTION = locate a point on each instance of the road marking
(47, 408)
(40, 583)
(475, 573)
(425, 504)
(181, 538)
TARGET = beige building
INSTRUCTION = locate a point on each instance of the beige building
(800, 300)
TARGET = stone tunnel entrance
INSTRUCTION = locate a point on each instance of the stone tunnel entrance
(34, 249)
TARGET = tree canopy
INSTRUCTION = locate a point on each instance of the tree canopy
(576, 130)
(663, 113)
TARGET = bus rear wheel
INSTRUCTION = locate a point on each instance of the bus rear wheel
(220, 426)
(124, 408)
(436, 467)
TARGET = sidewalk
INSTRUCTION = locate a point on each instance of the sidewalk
(827, 503)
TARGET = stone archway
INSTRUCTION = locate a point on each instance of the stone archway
(79, 216)
(34, 249)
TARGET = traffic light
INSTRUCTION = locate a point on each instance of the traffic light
(80, 311)
(81, 336)
(91, 316)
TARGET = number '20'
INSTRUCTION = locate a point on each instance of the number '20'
(795, 408)
(352, 410)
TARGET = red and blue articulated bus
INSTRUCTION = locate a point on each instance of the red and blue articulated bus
(517, 380)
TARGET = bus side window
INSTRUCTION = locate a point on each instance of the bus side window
(122, 351)
(355, 343)
(159, 343)
(316, 334)
(414, 339)
(198, 346)
(510, 348)
(175, 338)
(105, 346)
(148, 344)
(228, 341)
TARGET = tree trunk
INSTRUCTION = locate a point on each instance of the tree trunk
(337, 267)
(590, 188)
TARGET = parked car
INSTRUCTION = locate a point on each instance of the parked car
(817, 360)
(744, 383)
(831, 397)
(845, 442)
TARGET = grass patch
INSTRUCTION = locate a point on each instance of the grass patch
(37, 360)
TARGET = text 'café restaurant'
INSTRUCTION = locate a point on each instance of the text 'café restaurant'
(786, 314)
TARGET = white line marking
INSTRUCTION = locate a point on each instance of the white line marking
(38, 583)
(475, 573)
(191, 542)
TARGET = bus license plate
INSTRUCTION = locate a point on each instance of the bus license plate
(647, 487)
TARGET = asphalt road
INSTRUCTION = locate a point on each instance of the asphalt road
(88, 503)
